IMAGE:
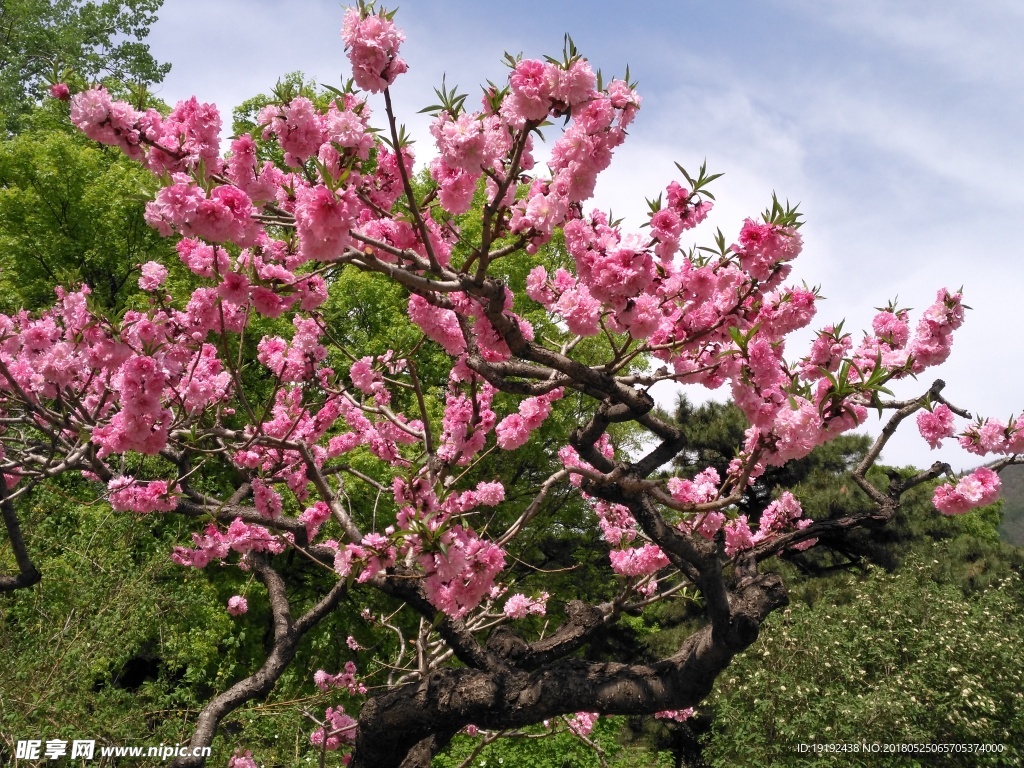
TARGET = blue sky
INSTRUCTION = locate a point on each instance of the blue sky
(897, 126)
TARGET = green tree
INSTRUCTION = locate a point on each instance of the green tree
(71, 213)
(89, 40)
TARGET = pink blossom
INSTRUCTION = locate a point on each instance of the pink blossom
(762, 247)
(106, 121)
(324, 220)
(778, 516)
(490, 494)
(267, 500)
(314, 517)
(242, 760)
(268, 303)
(142, 423)
(242, 170)
(977, 489)
(703, 487)
(679, 715)
(933, 336)
(575, 84)
(738, 536)
(892, 327)
(529, 96)
(347, 679)
(298, 127)
(372, 44)
(153, 275)
(60, 91)
(458, 578)
(582, 723)
(188, 137)
(936, 424)
(826, 353)
(126, 494)
(457, 185)
(338, 729)
(202, 259)
(988, 436)
(379, 555)
(519, 606)
(237, 605)
(638, 561)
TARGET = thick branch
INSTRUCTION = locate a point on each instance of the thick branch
(28, 574)
(392, 724)
(287, 635)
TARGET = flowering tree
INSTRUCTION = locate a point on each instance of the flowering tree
(297, 451)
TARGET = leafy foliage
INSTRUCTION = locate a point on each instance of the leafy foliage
(72, 213)
(896, 658)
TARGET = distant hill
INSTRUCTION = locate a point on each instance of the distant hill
(1012, 529)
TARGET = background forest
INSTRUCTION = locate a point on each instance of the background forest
(909, 633)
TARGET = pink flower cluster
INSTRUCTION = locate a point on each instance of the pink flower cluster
(702, 489)
(142, 423)
(346, 679)
(976, 489)
(240, 536)
(225, 214)
(268, 501)
(461, 572)
(738, 536)
(582, 723)
(187, 137)
(993, 436)
(638, 561)
(237, 605)
(125, 494)
(467, 421)
(372, 42)
(242, 760)
(370, 558)
(298, 127)
(762, 247)
(459, 566)
(538, 89)
(153, 275)
(467, 145)
(520, 606)
(616, 521)
(70, 354)
(936, 424)
(780, 516)
(684, 211)
(679, 715)
(368, 381)
(933, 336)
(827, 352)
(514, 430)
(298, 361)
(291, 419)
(314, 517)
(598, 126)
(259, 182)
(338, 729)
